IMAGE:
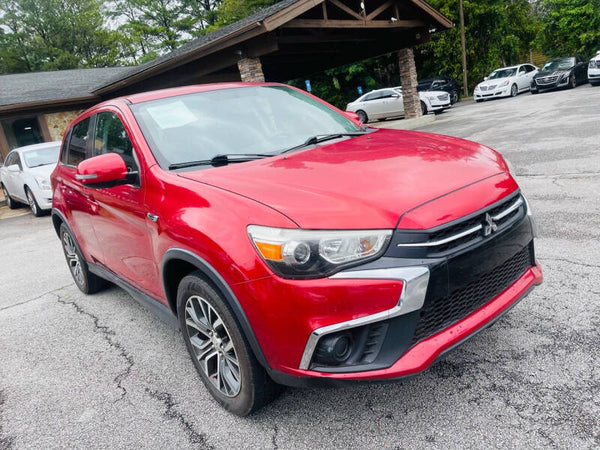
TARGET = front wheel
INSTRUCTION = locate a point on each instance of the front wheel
(9, 201)
(220, 352)
(573, 82)
(86, 281)
(424, 108)
(453, 97)
(514, 90)
(33, 205)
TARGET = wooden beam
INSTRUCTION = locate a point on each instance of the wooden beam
(311, 39)
(347, 10)
(381, 9)
(319, 23)
(324, 5)
(434, 13)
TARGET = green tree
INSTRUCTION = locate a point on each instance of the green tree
(498, 33)
(55, 34)
(230, 11)
(568, 27)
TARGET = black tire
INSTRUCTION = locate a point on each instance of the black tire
(253, 387)
(533, 91)
(478, 100)
(438, 111)
(572, 82)
(33, 204)
(9, 201)
(594, 84)
(424, 110)
(453, 97)
(86, 281)
(362, 116)
(514, 90)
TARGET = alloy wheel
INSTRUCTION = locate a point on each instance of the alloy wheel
(212, 346)
(73, 259)
(513, 90)
(31, 202)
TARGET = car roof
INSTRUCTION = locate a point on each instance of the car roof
(509, 67)
(27, 148)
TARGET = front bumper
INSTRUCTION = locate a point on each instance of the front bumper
(496, 93)
(43, 198)
(401, 313)
(440, 106)
(594, 75)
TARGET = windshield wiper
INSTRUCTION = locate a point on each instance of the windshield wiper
(221, 160)
(322, 138)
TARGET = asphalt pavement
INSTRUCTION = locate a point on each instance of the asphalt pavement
(101, 372)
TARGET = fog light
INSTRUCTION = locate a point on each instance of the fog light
(335, 349)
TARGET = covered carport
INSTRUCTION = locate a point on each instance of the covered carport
(292, 39)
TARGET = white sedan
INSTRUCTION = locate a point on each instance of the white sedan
(505, 82)
(385, 103)
(25, 176)
(594, 70)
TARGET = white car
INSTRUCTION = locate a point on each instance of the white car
(505, 82)
(594, 70)
(388, 102)
(25, 176)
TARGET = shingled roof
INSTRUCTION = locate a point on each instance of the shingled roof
(37, 87)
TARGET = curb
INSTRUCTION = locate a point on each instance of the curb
(407, 124)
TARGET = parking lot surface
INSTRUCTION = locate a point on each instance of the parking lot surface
(101, 372)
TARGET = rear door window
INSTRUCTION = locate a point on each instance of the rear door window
(78, 144)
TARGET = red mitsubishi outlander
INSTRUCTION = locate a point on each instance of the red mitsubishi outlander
(289, 243)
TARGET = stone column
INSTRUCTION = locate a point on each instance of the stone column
(251, 70)
(408, 79)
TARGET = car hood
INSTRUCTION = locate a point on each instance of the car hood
(42, 171)
(494, 82)
(363, 182)
(546, 73)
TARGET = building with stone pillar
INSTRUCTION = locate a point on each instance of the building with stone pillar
(251, 70)
(408, 79)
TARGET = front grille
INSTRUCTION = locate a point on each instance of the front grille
(460, 234)
(443, 97)
(440, 313)
(546, 80)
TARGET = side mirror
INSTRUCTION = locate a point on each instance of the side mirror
(106, 170)
(352, 116)
(485, 78)
(13, 168)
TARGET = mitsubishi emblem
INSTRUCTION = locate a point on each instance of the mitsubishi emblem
(489, 226)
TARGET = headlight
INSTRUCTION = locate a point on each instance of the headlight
(504, 83)
(295, 253)
(43, 183)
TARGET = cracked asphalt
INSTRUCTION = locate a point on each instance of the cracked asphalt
(101, 372)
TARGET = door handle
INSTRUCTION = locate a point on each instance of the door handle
(152, 217)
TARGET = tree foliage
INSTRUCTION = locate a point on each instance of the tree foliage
(54, 34)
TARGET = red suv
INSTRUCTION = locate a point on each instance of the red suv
(289, 243)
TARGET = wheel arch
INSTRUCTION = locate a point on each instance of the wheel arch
(57, 220)
(177, 263)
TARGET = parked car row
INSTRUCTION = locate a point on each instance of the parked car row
(566, 72)
(25, 176)
(387, 103)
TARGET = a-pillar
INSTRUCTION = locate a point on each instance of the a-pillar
(408, 79)
(251, 70)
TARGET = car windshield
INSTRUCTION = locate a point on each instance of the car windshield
(424, 85)
(559, 64)
(41, 157)
(503, 73)
(234, 121)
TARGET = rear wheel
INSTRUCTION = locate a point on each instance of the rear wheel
(9, 201)
(220, 352)
(86, 281)
(514, 90)
(362, 116)
(33, 205)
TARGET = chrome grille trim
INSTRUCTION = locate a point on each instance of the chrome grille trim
(443, 241)
(508, 210)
